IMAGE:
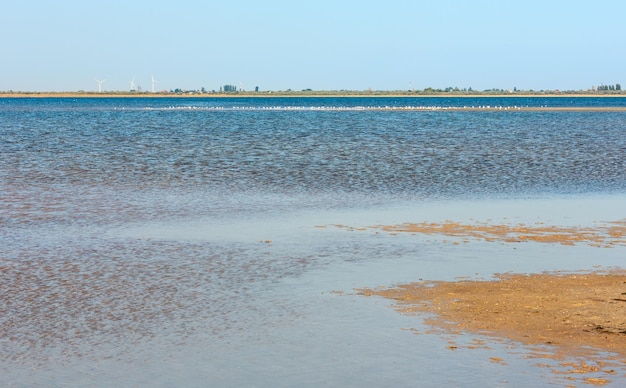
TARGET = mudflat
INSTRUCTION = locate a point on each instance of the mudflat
(571, 311)
(608, 234)
(577, 315)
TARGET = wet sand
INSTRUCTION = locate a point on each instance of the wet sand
(578, 315)
(606, 235)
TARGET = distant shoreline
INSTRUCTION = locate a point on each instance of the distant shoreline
(294, 95)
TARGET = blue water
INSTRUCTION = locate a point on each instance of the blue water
(178, 241)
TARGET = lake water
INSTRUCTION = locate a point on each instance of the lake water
(190, 242)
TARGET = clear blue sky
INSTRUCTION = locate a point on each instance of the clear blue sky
(64, 45)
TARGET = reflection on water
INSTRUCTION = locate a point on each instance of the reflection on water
(183, 241)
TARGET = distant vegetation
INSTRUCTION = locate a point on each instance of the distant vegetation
(232, 90)
(604, 88)
(228, 88)
(451, 91)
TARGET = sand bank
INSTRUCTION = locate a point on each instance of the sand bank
(578, 315)
(607, 235)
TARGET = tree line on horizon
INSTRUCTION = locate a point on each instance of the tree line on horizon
(430, 90)
(616, 87)
(232, 89)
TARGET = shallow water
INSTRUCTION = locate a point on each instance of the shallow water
(149, 245)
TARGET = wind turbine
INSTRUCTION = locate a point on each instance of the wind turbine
(100, 85)
(153, 82)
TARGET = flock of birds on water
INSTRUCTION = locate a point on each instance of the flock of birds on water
(342, 108)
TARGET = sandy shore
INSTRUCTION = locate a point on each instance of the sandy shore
(578, 315)
(607, 234)
(289, 94)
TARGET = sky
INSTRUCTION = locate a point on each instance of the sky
(66, 45)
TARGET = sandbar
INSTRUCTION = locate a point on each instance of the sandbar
(577, 315)
(607, 234)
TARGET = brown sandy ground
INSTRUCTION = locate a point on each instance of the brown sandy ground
(607, 235)
(579, 316)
